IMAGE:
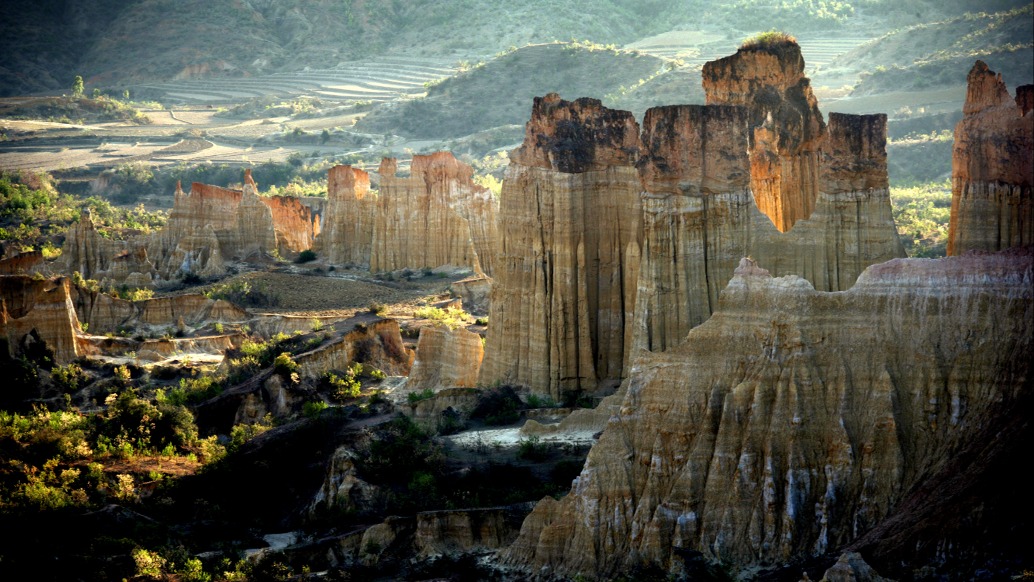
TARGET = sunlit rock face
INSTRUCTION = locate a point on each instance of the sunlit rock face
(347, 233)
(786, 125)
(210, 226)
(446, 358)
(435, 217)
(793, 420)
(564, 287)
(992, 205)
(294, 223)
(40, 310)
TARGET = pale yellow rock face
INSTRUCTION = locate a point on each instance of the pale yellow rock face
(446, 358)
(435, 217)
(347, 233)
(343, 489)
(992, 203)
(465, 530)
(564, 288)
(474, 292)
(191, 239)
(794, 420)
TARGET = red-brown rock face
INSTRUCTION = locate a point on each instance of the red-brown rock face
(577, 136)
(435, 217)
(565, 278)
(699, 218)
(992, 205)
(348, 223)
(292, 222)
(793, 420)
(786, 125)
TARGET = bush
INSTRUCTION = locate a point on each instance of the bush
(769, 39)
(414, 397)
(306, 256)
(342, 388)
(68, 378)
(285, 365)
(531, 449)
(498, 406)
(242, 433)
(312, 409)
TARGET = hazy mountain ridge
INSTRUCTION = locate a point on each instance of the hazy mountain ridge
(115, 44)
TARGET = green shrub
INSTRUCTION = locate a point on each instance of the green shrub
(341, 388)
(414, 397)
(285, 365)
(68, 378)
(498, 406)
(769, 39)
(537, 401)
(306, 256)
(312, 409)
(531, 449)
(242, 433)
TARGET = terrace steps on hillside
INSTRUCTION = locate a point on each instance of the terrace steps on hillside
(379, 80)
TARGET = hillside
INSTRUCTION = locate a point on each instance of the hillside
(116, 44)
(936, 54)
(499, 91)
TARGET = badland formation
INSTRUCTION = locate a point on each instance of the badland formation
(776, 387)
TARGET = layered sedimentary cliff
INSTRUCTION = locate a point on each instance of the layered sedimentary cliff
(992, 205)
(774, 433)
(348, 223)
(104, 313)
(564, 285)
(670, 238)
(437, 216)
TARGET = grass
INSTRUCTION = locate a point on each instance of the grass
(767, 40)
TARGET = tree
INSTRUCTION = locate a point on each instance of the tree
(77, 86)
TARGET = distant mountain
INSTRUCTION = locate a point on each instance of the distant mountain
(499, 92)
(939, 54)
(115, 43)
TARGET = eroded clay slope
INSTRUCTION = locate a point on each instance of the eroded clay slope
(793, 421)
(992, 205)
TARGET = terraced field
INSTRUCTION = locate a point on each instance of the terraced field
(697, 47)
(376, 81)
